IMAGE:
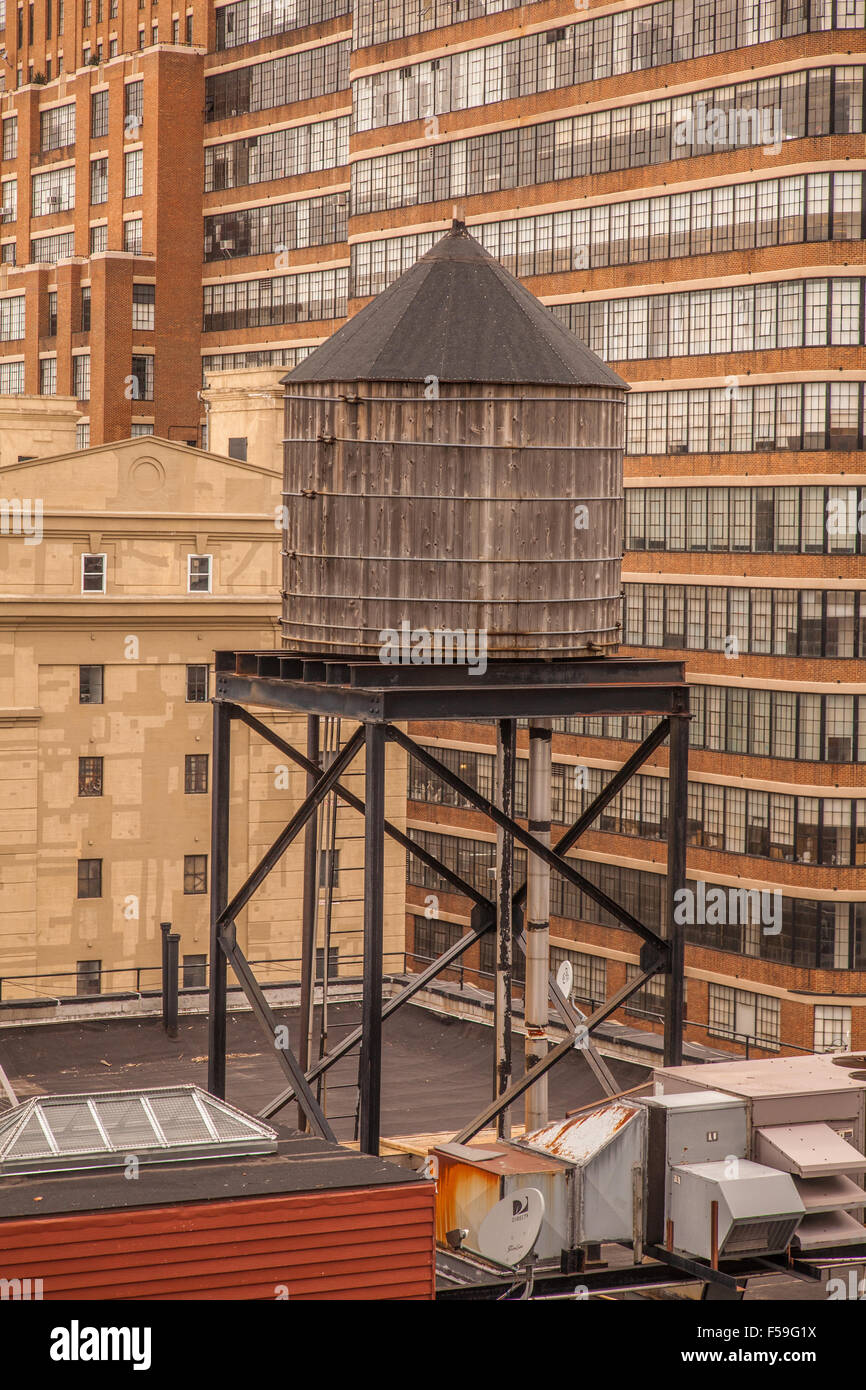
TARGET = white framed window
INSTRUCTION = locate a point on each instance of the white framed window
(133, 173)
(198, 576)
(81, 376)
(139, 429)
(93, 574)
(48, 376)
(82, 435)
(132, 236)
(832, 1027)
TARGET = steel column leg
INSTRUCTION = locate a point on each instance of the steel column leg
(506, 758)
(678, 779)
(537, 919)
(219, 883)
(374, 877)
(308, 918)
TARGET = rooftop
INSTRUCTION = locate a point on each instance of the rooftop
(459, 316)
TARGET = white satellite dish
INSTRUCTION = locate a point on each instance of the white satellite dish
(511, 1228)
(565, 978)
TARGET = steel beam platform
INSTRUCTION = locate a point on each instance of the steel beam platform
(380, 697)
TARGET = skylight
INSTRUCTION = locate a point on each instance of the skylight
(104, 1129)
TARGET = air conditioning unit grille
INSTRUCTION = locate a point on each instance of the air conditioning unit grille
(758, 1237)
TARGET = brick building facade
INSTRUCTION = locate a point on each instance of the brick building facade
(683, 184)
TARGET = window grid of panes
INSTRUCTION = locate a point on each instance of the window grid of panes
(738, 318)
(823, 935)
(143, 307)
(9, 199)
(813, 415)
(742, 1015)
(771, 622)
(10, 137)
(99, 180)
(99, 114)
(813, 102)
(264, 357)
(757, 520)
(772, 212)
(57, 127)
(48, 249)
(12, 318)
(81, 376)
(246, 21)
(53, 191)
(585, 51)
(762, 723)
(278, 154)
(301, 298)
(11, 378)
(797, 829)
(652, 35)
(314, 72)
(276, 227)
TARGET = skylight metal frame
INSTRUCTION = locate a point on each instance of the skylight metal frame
(260, 1139)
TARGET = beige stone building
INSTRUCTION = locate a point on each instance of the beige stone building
(134, 563)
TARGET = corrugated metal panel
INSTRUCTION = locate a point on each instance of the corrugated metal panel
(367, 1243)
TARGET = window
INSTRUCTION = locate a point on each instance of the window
(133, 107)
(333, 962)
(238, 448)
(85, 308)
(93, 574)
(90, 777)
(10, 137)
(53, 191)
(154, 33)
(329, 867)
(832, 1027)
(98, 239)
(132, 236)
(57, 127)
(98, 181)
(48, 376)
(112, 47)
(9, 191)
(82, 435)
(90, 685)
(189, 29)
(81, 376)
(50, 249)
(90, 878)
(195, 873)
(175, 31)
(143, 299)
(199, 574)
(89, 972)
(196, 684)
(142, 374)
(12, 318)
(195, 972)
(139, 429)
(133, 173)
(195, 773)
(744, 1017)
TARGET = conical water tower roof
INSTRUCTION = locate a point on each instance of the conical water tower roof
(459, 316)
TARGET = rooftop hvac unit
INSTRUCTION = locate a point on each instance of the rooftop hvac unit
(824, 1166)
(731, 1208)
(583, 1167)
